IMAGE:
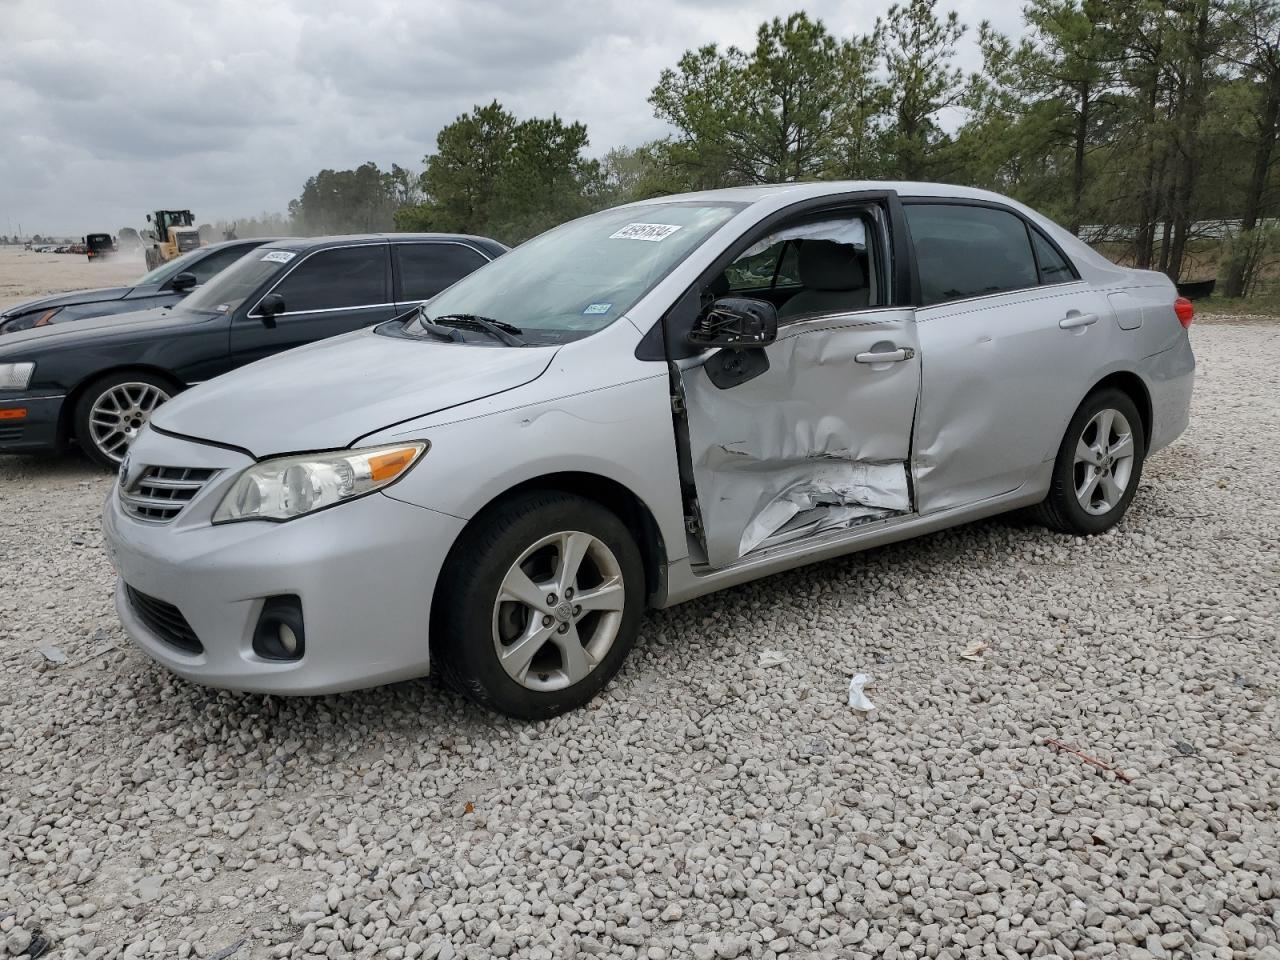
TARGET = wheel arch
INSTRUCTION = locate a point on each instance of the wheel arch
(67, 415)
(613, 496)
(1132, 385)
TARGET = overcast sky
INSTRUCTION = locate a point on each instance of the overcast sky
(109, 110)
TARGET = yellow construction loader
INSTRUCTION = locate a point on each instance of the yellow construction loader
(171, 232)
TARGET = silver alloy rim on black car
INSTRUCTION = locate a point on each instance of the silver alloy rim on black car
(119, 413)
(1104, 462)
(558, 611)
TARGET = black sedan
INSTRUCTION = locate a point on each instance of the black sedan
(165, 285)
(97, 381)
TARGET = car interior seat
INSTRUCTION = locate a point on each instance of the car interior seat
(833, 280)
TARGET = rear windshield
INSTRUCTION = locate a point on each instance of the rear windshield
(170, 268)
(230, 288)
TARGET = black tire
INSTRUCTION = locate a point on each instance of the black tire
(462, 629)
(90, 396)
(1061, 509)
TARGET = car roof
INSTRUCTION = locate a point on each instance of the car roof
(350, 239)
(823, 188)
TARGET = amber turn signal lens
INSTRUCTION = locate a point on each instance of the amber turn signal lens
(384, 466)
(14, 413)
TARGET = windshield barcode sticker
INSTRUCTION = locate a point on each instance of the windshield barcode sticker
(278, 256)
(653, 232)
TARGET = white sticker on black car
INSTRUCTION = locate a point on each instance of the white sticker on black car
(653, 232)
(279, 256)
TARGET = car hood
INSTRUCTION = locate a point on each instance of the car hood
(66, 300)
(149, 321)
(329, 394)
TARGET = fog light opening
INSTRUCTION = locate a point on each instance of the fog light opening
(279, 634)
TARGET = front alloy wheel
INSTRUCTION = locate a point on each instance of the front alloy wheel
(112, 411)
(558, 611)
(538, 604)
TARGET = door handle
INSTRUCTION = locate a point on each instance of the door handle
(1073, 320)
(888, 356)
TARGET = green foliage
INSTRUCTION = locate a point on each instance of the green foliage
(1128, 122)
(493, 175)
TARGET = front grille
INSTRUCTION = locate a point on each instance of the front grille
(164, 620)
(10, 434)
(159, 493)
(188, 241)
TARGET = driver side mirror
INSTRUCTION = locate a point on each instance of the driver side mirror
(742, 328)
(183, 282)
(269, 306)
(735, 323)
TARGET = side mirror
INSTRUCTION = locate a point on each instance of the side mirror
(269, 306)
(735, 323)
(183, 282)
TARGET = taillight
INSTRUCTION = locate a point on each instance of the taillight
(1185, 310)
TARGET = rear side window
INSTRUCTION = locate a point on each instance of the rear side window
(346, 277)
(969, 251)
(216, 262)
(1053, 266)
(427, 268)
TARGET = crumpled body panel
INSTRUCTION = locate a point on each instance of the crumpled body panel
(817, 441)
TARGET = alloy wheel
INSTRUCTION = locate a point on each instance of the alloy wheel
(1104, 461)
(119, 413)
(558, 611)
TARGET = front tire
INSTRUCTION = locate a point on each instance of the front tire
(538, 605)
(112, 410)
(1098, 466)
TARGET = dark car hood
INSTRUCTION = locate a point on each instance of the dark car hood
(67, 300)
(60, 334)
(329, 394)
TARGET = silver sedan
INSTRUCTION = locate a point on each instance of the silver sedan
(636, 408)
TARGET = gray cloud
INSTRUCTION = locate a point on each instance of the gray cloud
(110, 110)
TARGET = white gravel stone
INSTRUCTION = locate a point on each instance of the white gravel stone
(143, 816)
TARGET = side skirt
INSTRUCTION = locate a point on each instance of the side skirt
(685, 581)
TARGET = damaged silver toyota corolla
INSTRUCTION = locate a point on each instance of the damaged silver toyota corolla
(634, 409)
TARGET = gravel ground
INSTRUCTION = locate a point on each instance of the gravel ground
(705, 806)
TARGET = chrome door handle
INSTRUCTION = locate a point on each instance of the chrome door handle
(888, 356)
(1071, 321)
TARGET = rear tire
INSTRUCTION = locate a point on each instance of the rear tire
(538, 605)
(112, 410)
(1098, 466)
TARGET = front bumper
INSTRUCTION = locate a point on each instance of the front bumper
(36, 431)
(365, 572)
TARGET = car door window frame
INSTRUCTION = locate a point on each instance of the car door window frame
(1029, 226)
(385, 246)
(397, 285)
(899, 282)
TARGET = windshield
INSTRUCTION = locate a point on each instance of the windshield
(227, 290)
(582, 276)
(170, 268)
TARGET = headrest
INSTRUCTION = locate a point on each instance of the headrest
(827, 265)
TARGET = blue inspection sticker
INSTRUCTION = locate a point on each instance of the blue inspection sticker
(596, 309)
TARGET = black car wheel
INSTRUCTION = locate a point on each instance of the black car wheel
(112, 410)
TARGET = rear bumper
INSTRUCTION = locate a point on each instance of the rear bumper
(37, 431)
(1170, 377)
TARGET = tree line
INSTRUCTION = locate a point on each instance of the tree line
(1130, 123)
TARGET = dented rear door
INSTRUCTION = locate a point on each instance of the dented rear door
(819, 442)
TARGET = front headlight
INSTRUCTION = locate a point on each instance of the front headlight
(16, 376)
(289, 487)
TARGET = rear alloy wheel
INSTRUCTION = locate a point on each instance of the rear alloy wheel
(538, 605)
(112, 411)
(1098, 467)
